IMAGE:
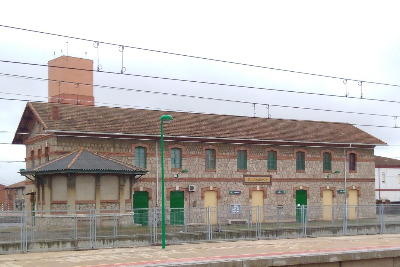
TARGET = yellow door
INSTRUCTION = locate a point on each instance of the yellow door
(327, 202)
(257, 206)
(353, 202)
(210, 202)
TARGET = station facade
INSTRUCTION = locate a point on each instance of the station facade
(210, 160)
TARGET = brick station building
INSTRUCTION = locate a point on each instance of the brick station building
(229, 159)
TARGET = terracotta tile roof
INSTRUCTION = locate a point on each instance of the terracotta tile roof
(382, 161)
(141, 122)
(16, 185)
(84, 161)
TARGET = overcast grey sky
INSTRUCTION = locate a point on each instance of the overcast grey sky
(357, 40)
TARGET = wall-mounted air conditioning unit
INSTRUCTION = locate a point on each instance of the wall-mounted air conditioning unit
(191, 188)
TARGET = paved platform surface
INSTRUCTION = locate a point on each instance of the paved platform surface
(174, 255)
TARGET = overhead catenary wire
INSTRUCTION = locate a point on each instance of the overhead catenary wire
(191, 96)
(196, 112)
(231, 85)
(202, 82)
(277, 69)
(201, 58)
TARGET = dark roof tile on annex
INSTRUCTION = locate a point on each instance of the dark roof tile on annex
(84, 161)
(78, 118)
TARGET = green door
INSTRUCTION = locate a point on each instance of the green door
(301, 199)
(141, 207)
(177, 205)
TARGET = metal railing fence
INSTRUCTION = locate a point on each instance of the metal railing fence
(58, 230)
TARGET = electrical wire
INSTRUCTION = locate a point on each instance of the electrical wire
(201, 58)
(194, 81)
(221, 84)
(187, 96)
(195, 112)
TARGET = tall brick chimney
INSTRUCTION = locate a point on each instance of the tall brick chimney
(71, 81)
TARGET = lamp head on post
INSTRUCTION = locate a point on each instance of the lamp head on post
(329, 175)
(182, 171)
(166, 118)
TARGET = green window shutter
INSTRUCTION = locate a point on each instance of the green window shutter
(272, 160)
(176, 158)
(300, 161)
(210, 159)
(140, 157)
(327, 161)
(242, 160)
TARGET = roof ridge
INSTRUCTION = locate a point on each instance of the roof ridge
(115, 160)
(54, 160)
(79, 152)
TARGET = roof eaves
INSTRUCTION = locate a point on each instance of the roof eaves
(37, 116)
(224, 139)
(72, 133)
(34, 173)
(16, 185)
(215, 139)
(19, 135)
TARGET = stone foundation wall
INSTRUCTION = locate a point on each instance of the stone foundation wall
(109, 206)
(60, 222)
(59, 207)
(85, 206)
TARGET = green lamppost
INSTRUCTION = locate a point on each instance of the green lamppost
(162, 119)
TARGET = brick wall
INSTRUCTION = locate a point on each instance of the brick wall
(3, 204)
(226, 177)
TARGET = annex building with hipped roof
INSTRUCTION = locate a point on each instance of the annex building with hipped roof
(82, 180)
(238, 160)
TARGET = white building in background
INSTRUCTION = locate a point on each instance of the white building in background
(387, 179)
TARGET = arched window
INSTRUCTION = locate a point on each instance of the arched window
(327, 161)
(176, 158)
(33, 157)
(140, 156)
(40, 155)
(242, 160)
(272, 160)
(210, 159)
(300, 161)
(352, 162)
(46, 153)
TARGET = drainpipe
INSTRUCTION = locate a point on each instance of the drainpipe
(157, 178)
(345, 192)
(345, 178)
(379, 185)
